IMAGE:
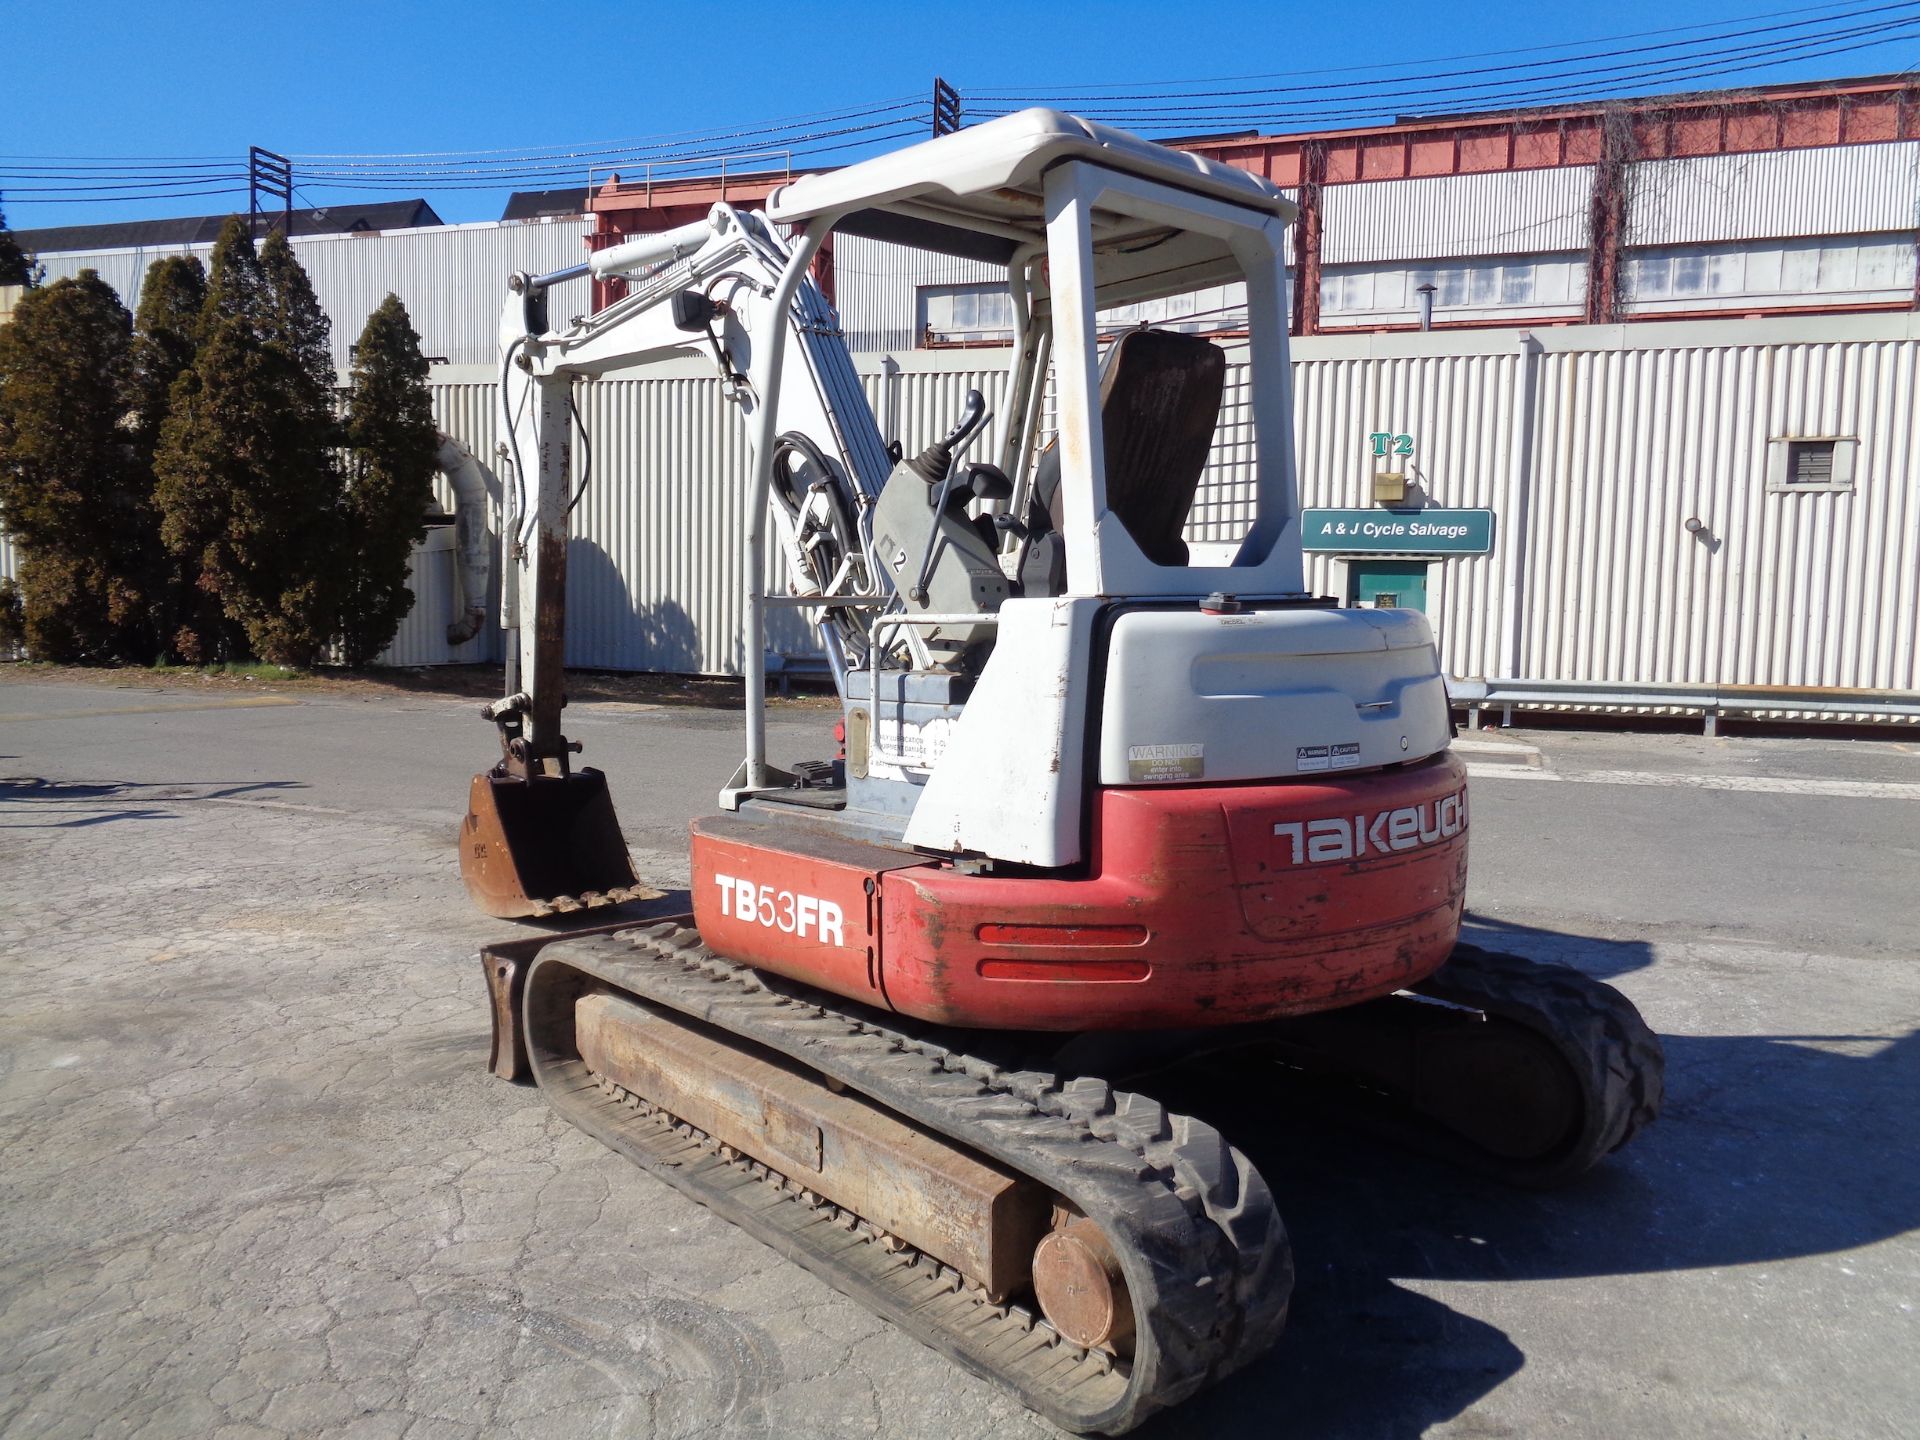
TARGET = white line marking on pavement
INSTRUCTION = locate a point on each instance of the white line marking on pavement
(1755, 784)
(1495, 747)
(248, 702)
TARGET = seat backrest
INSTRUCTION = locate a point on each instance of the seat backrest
(1159, 405)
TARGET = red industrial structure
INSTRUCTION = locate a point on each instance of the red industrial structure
(1610, 137)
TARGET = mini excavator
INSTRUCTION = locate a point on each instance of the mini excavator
(1102, 802)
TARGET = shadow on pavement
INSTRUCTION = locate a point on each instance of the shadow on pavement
(115, 800)
(1770, 1147)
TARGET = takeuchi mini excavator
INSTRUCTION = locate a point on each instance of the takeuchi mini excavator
(1101, 804)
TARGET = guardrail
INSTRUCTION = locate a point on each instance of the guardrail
(1710, 702)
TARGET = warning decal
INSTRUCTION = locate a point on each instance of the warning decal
(1165, 762)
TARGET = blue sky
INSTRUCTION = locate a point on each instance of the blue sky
(118, 79)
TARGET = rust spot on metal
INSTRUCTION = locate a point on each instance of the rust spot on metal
(948, 1202)
(1078, 1282)
(545, 844)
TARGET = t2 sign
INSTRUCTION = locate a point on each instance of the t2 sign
(1386, 443)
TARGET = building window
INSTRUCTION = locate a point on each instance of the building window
(1477, 288)
(957, 314)
(1844, 269)
(1810, 464)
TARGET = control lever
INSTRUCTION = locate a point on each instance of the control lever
(935, 465)
(935, 462)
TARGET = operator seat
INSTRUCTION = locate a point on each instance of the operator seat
(1159, 405)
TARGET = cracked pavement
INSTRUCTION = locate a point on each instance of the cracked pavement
(256, 1182)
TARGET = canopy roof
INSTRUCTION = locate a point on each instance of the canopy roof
(980, 192)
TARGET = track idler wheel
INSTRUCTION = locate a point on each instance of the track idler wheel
(1525, 1071)
(1081, 1288)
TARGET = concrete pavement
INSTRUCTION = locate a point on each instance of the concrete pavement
(255, 1181)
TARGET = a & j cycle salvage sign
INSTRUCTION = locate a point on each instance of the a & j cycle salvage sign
(1432, 531)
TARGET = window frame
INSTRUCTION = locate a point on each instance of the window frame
(1840, 477)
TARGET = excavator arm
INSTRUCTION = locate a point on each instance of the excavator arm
(539, 834)
(729, 289)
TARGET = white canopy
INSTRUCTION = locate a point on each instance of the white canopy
(980, 192)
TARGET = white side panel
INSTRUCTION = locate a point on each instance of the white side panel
(1776, 194)
(1011, 781)
(1513, 212)
(1267, 695)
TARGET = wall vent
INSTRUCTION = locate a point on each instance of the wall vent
(1803, 464)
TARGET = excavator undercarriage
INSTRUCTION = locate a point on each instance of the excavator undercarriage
(1061, 1232)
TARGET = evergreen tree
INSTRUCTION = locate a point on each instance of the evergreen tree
(17, 267)
(71, 489)
(294, 320)
(165, 330)
(391, 442)
(236, 288)
(246, 480)
(164, 334)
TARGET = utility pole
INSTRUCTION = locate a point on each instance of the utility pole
(269, 176)
(946, 107)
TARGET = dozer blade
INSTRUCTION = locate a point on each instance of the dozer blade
(546, 846)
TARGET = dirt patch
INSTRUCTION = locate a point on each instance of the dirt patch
(479, 682)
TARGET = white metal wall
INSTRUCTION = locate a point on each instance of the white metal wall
(1514, 212)
(1775, 194)
(1460, 409)
(876, 285)
(1594, 445)
(451, 278)
(1814, 589)
(422, 636)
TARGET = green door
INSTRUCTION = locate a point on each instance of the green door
(1387, 584)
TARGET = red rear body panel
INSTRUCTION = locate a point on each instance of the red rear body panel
(1205, 905)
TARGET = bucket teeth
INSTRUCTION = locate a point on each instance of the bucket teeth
(595, 900)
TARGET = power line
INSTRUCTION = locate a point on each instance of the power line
(1480, 99)
(152, 178)
(1374, 67)
(1562, 73)
(901, 130)
(109, 199)
(611, 160)
(640, 143)
(1880, 32)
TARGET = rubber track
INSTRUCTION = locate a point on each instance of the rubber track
(1615, 1058)
(1203, 1249)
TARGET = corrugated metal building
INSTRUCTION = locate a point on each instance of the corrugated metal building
(1785, 198)
(1648, 532)
(1594, 445)
(451, 278)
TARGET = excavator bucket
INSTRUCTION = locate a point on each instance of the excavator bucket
(549, 845)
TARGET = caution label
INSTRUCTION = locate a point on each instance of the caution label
(1327, 757)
